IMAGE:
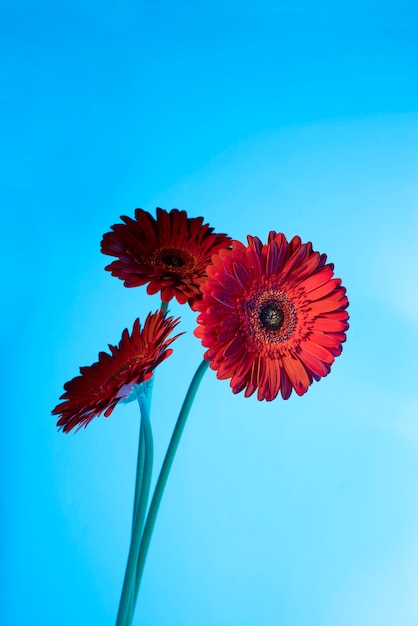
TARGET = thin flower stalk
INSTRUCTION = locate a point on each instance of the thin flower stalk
(141, 448)
(127, 601)
(165, 471)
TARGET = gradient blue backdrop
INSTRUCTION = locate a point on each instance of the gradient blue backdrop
(295, 116)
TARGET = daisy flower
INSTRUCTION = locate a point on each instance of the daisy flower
(113, 377)
(170, 253)
(272, 316)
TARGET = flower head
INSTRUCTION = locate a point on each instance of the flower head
(111, 379)
(272, 316)
(170, 253)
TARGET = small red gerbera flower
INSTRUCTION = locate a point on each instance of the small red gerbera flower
(170, 253)
(111, 379)
(272, 316)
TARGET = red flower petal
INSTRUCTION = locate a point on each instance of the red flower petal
(101, 386)
(272, 316)
(171, 253)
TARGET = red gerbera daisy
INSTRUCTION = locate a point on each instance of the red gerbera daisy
(272, 316)
(170, 253)
(111, 379)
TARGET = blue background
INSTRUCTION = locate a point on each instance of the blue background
(299, 117)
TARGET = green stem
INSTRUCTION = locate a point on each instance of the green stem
(141, 490)
(165, 470)
(142, 487)
(139, 473)
(141, 450)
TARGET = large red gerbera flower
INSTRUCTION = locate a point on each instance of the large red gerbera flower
(170, 253)
(272, 316)
(111, 379)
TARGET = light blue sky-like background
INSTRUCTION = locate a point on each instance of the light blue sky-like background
(300, 117)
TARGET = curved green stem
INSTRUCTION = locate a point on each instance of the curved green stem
(139, 474)
(165, 470)
(147, 388)
(142, 487)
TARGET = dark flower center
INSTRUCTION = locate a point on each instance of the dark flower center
(268, 319)
(271, 316)
(172, 261)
